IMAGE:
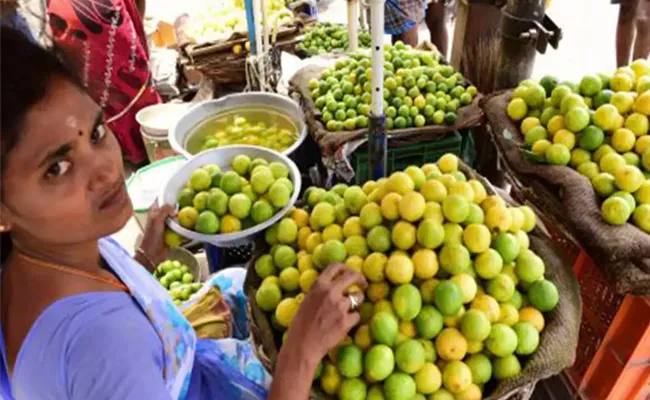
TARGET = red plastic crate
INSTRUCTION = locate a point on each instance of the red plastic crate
(613, 356)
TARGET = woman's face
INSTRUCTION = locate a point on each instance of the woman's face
(63, 182)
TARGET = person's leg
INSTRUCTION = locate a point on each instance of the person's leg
(625, 31)
(409, 37)
(436, 20)
(642, 41)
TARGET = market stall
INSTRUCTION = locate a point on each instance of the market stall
(469, 293)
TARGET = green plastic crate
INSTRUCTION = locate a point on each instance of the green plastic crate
(398, 158)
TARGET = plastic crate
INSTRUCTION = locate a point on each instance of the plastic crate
(614, 342)
(398, 158)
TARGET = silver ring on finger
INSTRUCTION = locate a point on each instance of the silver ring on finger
(354, 303)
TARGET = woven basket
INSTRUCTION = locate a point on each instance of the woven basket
(218, 62)
(558, 342)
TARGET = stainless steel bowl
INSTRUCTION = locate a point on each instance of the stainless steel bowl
(221, 156)
(180, 133)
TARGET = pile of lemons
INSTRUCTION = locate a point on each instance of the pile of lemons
(216, 201)
(600, 128)
(455, 297)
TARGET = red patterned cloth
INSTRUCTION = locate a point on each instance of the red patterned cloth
(105, 43)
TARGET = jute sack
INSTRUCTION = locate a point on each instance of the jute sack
(622, 251)
(558, 341)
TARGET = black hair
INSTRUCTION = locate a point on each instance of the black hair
(26, 71)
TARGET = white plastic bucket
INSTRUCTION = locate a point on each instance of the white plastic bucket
(155, 122)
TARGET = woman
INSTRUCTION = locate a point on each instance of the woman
(79, 318)
(105, 41)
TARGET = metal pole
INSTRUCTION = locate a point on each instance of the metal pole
(250, 22)
(257, 11)
(353, 25)
(377, 142)
(518, 50)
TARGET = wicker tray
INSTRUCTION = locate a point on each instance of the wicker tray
(218, 62)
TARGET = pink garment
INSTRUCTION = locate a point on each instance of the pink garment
(105, 43)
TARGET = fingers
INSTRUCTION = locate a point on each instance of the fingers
(345, 305)
(347, 278)
(332, 271)
(158, 214)
(351, 320)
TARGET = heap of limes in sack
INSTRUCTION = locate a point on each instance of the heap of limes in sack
(456, 297)
(220, 202)
(418, 90)
(598, 127)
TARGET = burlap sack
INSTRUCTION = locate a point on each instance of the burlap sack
(623, 251)
(468, 116)
(558, 341)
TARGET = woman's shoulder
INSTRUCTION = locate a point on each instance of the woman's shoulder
(107, 326)
(99, 314)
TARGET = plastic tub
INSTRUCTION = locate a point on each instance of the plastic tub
(155, 122)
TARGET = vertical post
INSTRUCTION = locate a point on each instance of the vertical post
(353, 25)
(458, 42)
(250, 22)
(377, 142)
(259, 52)
(517, 54)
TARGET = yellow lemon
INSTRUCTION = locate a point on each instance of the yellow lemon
(498, 219)
(378, 291)
(566, 138)
(448, 163)
(305, 263)
(451, 345)
(623, 140)
(399, 268)
(479, 191)
(411, 206)
(303, 234)
(285, 311)
(532, 315)
(528, 124)
(374, 267)
(307, 279)
(300, 217)
(390, 206)
(355, 262)
(352, 227)
(555, 124)
(313, 240)
(362, 337)
(434, 190)
(332, 232)
(425, 263)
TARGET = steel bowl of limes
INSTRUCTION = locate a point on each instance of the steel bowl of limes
(227, 195)
(268, 120)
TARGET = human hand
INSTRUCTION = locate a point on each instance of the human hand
(153, 248)
(325, 315)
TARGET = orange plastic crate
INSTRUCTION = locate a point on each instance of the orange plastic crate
(613, 356)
